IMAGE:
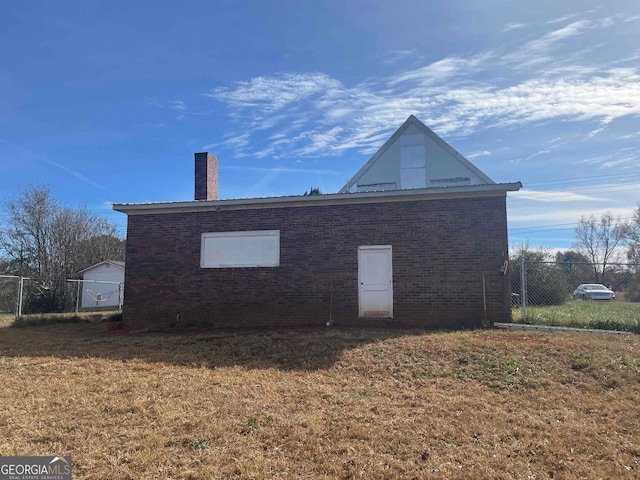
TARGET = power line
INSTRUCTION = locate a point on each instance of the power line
(534, 232)
(584, 179)
(557, 225)
(547, 228)
(544, 226)
(560, 194)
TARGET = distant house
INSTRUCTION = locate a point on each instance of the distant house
(417, 238)
(103, 284)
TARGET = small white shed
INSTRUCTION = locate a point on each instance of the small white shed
(103, 285)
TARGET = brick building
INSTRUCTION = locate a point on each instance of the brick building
(405, 243)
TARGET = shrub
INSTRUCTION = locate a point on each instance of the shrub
(632, 293)
(547, 282)
(116, 317)
(46, 301)
(39, 320)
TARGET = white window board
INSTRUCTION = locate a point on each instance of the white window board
(260, 248)
(372, 187)
(413, 156)
(413, 178)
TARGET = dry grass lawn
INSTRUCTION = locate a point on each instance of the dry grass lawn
(325, 403)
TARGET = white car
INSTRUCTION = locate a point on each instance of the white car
(593, 291)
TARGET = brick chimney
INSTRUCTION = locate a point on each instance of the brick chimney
(206, 176)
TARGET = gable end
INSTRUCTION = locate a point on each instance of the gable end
(415, 157)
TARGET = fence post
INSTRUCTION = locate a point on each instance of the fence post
(523, 289)
(20, 293)
(485, 323)
(77, 297)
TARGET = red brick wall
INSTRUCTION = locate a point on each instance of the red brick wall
(206, 176)
(441, 248)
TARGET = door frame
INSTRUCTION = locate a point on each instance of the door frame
(364, 248)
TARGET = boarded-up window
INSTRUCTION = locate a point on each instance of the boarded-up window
(259, 248)
(374, 187)
(450, 182)
(413, 173)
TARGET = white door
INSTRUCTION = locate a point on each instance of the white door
(375, 281)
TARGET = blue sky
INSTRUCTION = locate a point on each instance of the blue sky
(107, 101)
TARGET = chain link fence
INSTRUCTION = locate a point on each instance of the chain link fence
(28, 296)
(565, 294)
(9, 294)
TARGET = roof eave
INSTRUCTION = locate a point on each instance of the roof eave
(324, 199)
(111, 262)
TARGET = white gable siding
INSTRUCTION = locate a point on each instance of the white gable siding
(383, 173)
(415, 157)
(443, 166)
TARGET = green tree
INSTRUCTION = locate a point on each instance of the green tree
(577, 267)
(632, 292)
(547, 282)
(313, 191)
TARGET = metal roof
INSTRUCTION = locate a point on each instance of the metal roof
(113, 262)
(380, 196)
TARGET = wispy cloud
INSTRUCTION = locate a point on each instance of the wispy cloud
(322, 141)
(628, 156)
(443, 69)
(571, 30)
(307, 114)
(358, 118)
(607, 22)
(538, 51)
(555, 196)
(629, 136)
(539, 208)
(563, 18)
(631, 160)
(557, 215)
(75, 174)
(281, 170)
(483, 153)
(236, 141)
(513, 26)
(70, 171)
(395, 56)
(271, 94)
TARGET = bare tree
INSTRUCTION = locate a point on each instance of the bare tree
(633, 252)
(26, 237)
(51, 242)
(107, 246)
(632, 292)
(599, 240)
